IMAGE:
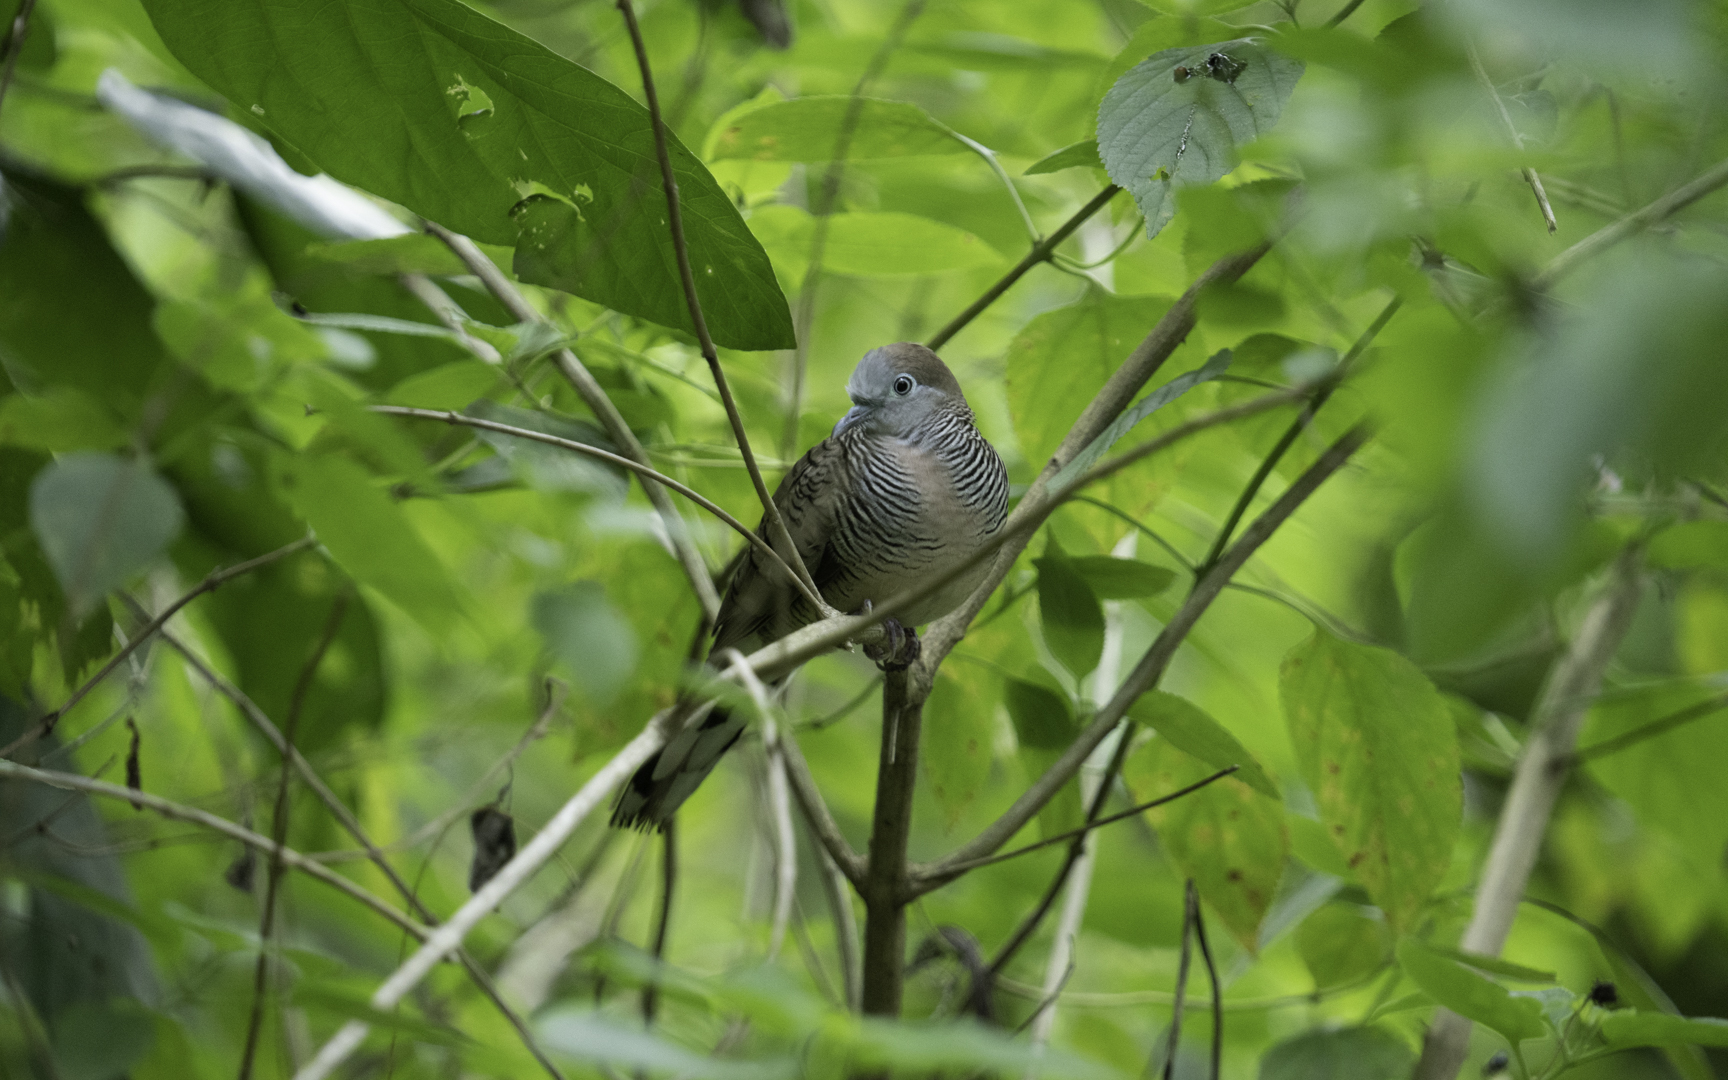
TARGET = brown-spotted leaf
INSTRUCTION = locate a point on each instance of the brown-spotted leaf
(1377, 745)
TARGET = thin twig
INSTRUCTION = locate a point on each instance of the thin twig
(279, 829)
(215, 580)
(594, 396)
(1190, 907)
(779, 804)
(805, 314)
(438, 302)
(1217, 988)
(1554, 723)
(15, 47)
(816, 815)
(1294, 431)
(1344, 13)
(1041, 252)
(663, 917)
(514, 874)
(1528, 173)
(641, 469)
(838, 894)
(180, 812)
(1651, 730)
(1640, 219)
(681, 251)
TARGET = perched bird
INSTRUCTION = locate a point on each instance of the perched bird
(901, 493)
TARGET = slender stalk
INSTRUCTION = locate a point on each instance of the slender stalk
(1294, 431)
(805, 315)
(663, 919)
(1528, 173)
(1637, 221)
(174, 811)
(279, 829)
(1559, 713)
(779, 805)
(215, 580)
(1042, 251)
(594, 396)
(513, 876)
(847, 862)
(639, 468)
(1190, 907)
(1212, 977)
(15, 47)
(839, 898)
(1652, 729)
(681, 251)
(883, 887)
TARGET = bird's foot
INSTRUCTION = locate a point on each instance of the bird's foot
(901, 650)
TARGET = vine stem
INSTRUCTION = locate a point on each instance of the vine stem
(681, 251)
(1559, 714)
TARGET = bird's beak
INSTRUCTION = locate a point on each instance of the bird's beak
(853, 415)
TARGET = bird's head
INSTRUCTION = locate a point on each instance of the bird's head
(896, 388)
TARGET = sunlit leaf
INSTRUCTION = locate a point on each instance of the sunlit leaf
(880, 244)
(1378, 748)
(1469, 994)
(1193, 731)
(808, 129)
(1177, 118)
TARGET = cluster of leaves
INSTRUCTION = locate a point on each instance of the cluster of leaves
(186, 372)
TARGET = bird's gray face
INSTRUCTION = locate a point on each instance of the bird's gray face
(886, 398)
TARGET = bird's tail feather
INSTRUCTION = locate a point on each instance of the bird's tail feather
(665, 780)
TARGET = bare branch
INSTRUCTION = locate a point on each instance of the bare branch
(1528, 173)
(1041, 252)
(180, 812)
(594, 396)
(637, 467)
(1652, 729)
(215, 580)
(680, 249)
(1554, 723)
(1637, 221)
(848, 862)
(514, 874)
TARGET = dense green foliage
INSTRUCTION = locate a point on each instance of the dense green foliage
(186, 383)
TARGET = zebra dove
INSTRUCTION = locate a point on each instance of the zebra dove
(901, 493)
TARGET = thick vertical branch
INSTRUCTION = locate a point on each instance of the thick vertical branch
(884, 881)
(1572, 686)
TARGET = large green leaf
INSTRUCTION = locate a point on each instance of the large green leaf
(1471, 995)
(1122, 579)
(1349, 1054)
(1060, 359)
(1193, 731)
(1225, 836)
(1072, 620)
(367, 534)
(808, 129)
(884, 244)
(1160, 128)
(1378, 748)
(469, 123)
(1341, 943)
(100, 519)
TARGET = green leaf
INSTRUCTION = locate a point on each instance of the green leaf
(1350, 1054)
(100, 519)
(591, 1037)
(368, 534)
(956, 753)
(96, 1039)
(1311, 842)
(1071, 618)
(593, 639)
(468, 123)
(1471, 995)
(1122, 579)
(1225, 836)
(1083, 154)
(60, 419)
(1045, 726)
(1663, 1029)
(1377, 746)
(1341, 943)
(1060, 359)
(884, 244)
(807, 129)
(1137, 412)
(1193, 731)
(1156, 133)
(1495, 966)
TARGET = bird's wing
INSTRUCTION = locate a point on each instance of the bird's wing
(761, 601)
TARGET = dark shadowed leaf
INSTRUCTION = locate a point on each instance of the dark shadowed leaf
(467, 122)
(1379, 750)
(100, 519)
(1160, 127)
(1069, 613)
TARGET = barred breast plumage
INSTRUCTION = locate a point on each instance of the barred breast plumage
(903, 491)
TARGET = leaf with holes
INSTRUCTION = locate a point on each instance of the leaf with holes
(1177, 117)
(100, 519)
(1377, 746)
(465, 121)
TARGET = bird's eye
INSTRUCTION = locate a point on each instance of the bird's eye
(903, 385)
